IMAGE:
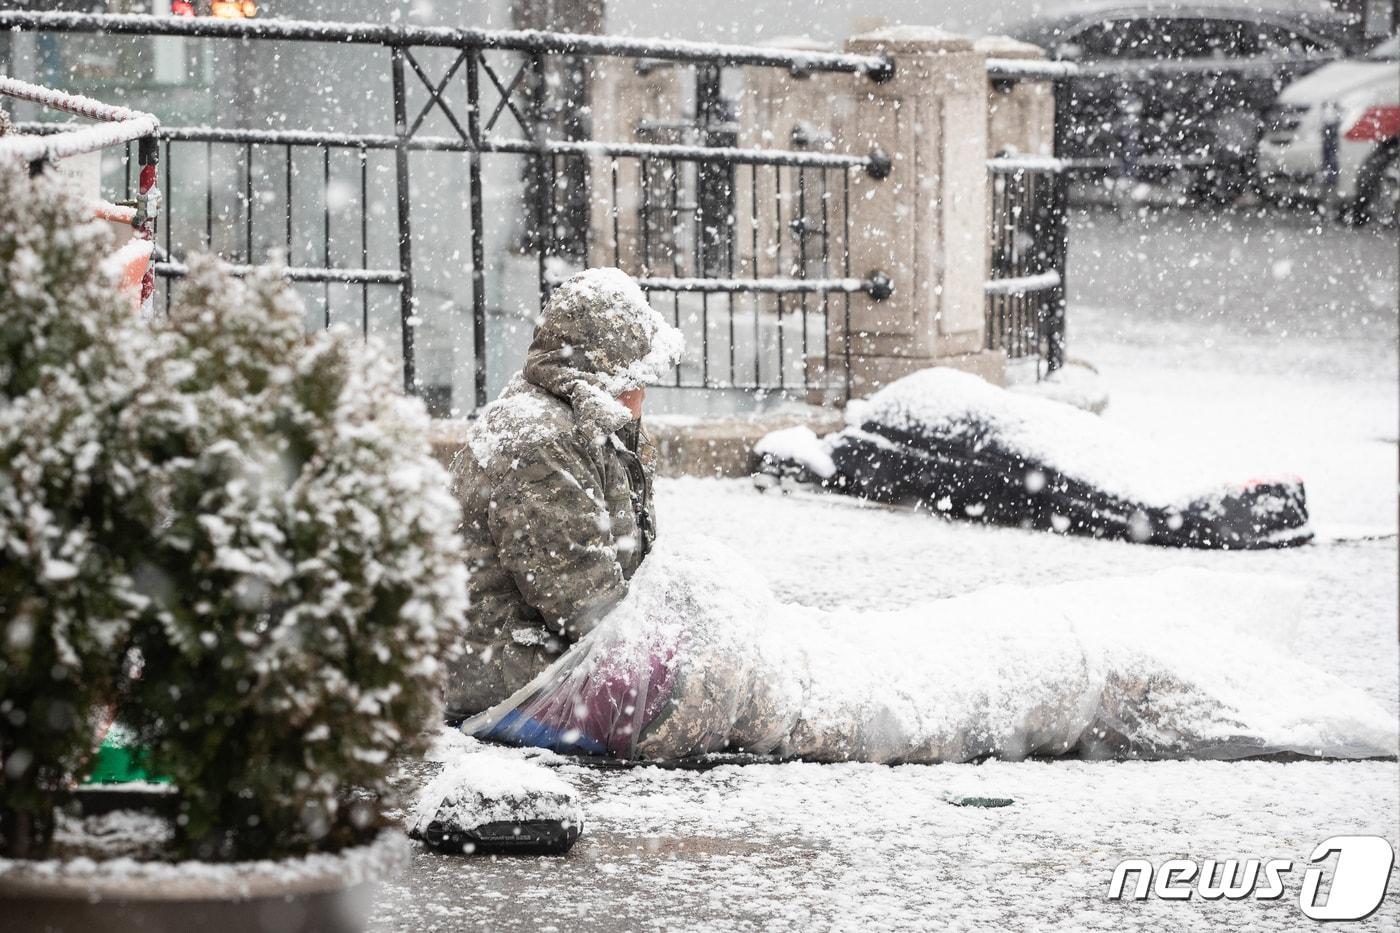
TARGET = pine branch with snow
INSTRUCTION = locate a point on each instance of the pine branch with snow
(304, 566)
(68, 363)
(249, 514)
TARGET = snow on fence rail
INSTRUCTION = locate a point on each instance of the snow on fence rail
(1025, 295)
(878, 68)
(119, 124)
(1029, 69)
(176, 268)
(1015, 164)
(1022, 284)
(770, 285)
(744, 156)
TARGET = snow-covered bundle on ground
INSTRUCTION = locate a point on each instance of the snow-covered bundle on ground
(245, 516)
(488, 799)
(701, 658)
(953, 443)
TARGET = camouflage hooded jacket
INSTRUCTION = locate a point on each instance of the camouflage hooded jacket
(556, 498)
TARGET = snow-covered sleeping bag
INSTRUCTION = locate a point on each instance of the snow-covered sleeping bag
(701, 658)
(951, 442)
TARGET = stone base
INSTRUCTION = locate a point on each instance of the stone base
(724, 446)
(685, 446)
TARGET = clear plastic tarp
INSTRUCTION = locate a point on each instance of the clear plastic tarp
(701, 658)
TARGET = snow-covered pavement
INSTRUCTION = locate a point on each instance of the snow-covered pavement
(861, 847)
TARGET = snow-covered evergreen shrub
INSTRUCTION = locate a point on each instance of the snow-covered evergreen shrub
(253, 510)
(303, 565)
(68, 361)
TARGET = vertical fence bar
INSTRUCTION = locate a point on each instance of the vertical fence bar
(326, 228)
(1016, 208)
(994, 210)
(545, 231)
(705, 339)
(675, 244)
(288, 169)
(778, 262)
(676, 315)
(169, 203)
(753, 233)
(581, 212)
(801, 219)
(478, 233)
(616, 246)
(364, 240)
(406, 298)
(644, 212)
(1059, 232)
(543, 204)
(673, 195)
(248, 203)
(209, 196)
(826, 274)
(543, 179)
(732, 374)
(846, 273)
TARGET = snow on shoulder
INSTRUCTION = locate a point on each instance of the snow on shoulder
(519, 420)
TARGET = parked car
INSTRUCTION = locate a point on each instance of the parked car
(1335, 136)
(1168, 88)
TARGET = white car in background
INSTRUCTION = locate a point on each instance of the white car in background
(1334, 136)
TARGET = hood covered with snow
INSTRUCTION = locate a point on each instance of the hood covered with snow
(596, 339)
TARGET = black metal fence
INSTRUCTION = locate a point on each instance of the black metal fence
(1029, 232)
(743, 248)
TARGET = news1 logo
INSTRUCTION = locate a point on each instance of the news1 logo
(1358, 881)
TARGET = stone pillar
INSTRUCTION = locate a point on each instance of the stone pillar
(1020, 114)
(925, 224)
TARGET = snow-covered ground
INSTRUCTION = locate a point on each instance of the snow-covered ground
(1291, 374)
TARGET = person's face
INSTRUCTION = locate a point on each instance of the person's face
(633, 399)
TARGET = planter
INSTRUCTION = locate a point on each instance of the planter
(320, 892)
(97, 799)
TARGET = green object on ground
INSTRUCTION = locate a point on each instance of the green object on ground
(981, 801)
(117, 762)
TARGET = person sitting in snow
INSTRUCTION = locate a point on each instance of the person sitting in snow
(555, 488)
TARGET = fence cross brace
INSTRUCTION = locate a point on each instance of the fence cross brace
(435, 95)
(526, 126)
